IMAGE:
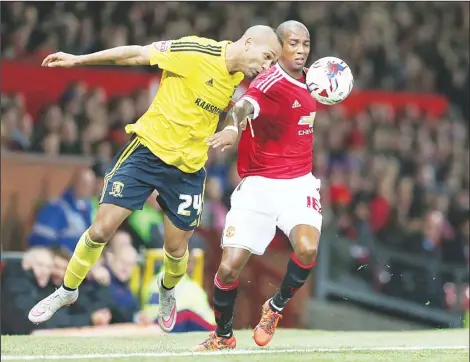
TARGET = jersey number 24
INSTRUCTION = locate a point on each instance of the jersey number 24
(188, 200)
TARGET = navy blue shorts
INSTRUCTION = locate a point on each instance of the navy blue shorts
(136, 172)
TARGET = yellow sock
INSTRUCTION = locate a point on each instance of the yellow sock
(86, 254)
(175, 268)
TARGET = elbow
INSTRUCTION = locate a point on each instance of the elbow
(242, 109)
(133, 55)
(239, 109)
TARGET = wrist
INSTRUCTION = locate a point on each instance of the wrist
(80, 60)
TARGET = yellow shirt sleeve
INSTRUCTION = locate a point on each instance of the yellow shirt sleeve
(168, 55)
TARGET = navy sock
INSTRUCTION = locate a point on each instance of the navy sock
(224, 303)
(295, 277)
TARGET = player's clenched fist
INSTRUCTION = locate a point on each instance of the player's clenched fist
(60, 60)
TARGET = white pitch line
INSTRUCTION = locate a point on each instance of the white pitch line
(230, 352)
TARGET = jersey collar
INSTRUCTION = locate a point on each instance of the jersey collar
(289, 78)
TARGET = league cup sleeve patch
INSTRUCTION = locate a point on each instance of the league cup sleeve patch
(163, 45)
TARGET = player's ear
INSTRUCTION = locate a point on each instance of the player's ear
(248, 43)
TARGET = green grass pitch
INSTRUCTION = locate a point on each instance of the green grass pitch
(287, 345)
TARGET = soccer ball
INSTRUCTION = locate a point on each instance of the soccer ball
(329, 80)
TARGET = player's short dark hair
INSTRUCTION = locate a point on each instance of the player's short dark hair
(279, 37)
(281, 29)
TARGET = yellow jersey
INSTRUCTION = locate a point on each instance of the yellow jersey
(194, 89)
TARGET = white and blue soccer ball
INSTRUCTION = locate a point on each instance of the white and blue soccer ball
(329, 80)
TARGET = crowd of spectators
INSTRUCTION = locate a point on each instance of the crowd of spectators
(105, 296)
(82, 122)
(391, 177)
(399, 181)
(413, 46)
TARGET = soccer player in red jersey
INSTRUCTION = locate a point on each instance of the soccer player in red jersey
(277, 187)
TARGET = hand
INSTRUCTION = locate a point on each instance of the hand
(101, 317)
(143, 318)
(101, 275)
(225, 138)
(60, 60)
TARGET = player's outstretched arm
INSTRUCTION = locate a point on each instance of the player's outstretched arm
(124, 55)
(236, 120)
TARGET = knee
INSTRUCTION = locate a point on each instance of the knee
(228, 273)
(306, 250)
(101, 232)
(177, 246)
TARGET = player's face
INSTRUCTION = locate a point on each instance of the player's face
(296, 48)
(261, 56)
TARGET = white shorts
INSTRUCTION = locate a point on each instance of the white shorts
(260, 204)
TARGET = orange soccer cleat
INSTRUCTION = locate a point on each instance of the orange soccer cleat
(266, 327)
(214, 343)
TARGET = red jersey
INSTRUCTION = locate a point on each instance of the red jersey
(282, 145)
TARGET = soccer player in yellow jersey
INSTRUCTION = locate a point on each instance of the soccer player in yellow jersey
(167, 151)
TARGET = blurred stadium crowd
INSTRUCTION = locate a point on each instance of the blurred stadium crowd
(396, 178)
(396, 45)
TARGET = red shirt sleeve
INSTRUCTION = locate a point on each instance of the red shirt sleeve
(261, 96)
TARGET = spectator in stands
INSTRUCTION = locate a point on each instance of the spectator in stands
(61, 222)
(92, 308)
(103, 151)
(15, 128)
(120, 240)
(47, 127)
(121, 264)
(24, 282)
(146, 226)
(214, 210)
(70, 142)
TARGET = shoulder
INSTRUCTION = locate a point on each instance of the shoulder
(267, 79)
(200, 49)
(262, 76)
(197, 41)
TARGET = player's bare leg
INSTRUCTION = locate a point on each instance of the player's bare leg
(305, 240)
(175, 265)
(87, 252)
(225, 293)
